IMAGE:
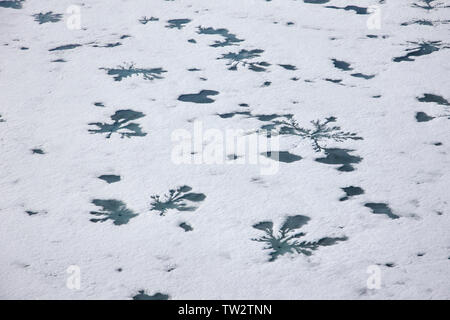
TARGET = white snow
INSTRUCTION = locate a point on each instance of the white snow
(49, 105)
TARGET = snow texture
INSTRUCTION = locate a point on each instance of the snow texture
(86, 171)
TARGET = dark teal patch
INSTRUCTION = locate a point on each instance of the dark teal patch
(186, 227)
(282, 156)
(109, 178)
(229, 38)
(350, 192)
(340, 157)
(429, 97)
(423, 48)
(37, 151)
(121, 125)
(243, 57)
(286, 239)
(201, 97)
(12, 4)
(177, 23)
(177, 199)
(122, 72)
(157, 296)
(114, 210)
(47, 17)
(66, 47)
(381, 208)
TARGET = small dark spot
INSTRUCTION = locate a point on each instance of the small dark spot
(356, 9)
(422, 22)
(108, 45)
(177, 23)
(145, 20)
(429, 97)
(201, 97)
(109, 178)
(350, 192)
(13, 4)
(423, 117)
(316, 1)
(282, 156)
(288, 66)
(170, 268)
(333, 80)
(381, 208)
(362, 75)
(157, 296)
(186, 227)
(66, 47)
(37, 151)
(232, 114)
(342, 65)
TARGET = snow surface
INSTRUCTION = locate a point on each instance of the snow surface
(50, 163)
